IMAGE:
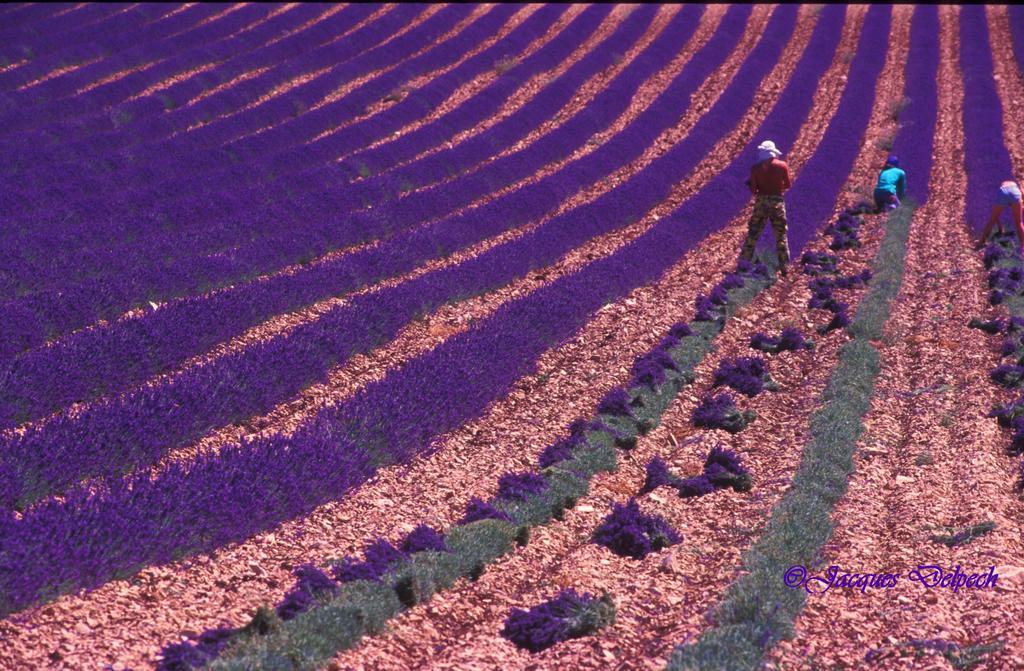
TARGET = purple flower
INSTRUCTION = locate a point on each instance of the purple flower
(720, 412)
(650, 368)
(719, 295)
(478, 509)
(840, 319)
(732, 281)
(185, 656)
(311, 583)
(628, 532)
(568, 615)
(668, 342)
(792, 339)
(423, 538)
(616, 402)
(520, 486)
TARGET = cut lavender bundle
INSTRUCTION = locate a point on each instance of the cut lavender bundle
(724, 468)
(747, 375)
(1006, 414)
(558, 451)
(840, 319)
(477, 509)
(657, 475)
(680, 330)
(520, 486)
(186, 655)
(628, 532)
(650, 368)
(720, 412)
(991, 326)
(616, 402)
(568, 615)
(819, 263)
(855, 280)
(1008, 375)
(422, 539)
(707, 310)
(380, 557)
(790, 340)
(311, 583)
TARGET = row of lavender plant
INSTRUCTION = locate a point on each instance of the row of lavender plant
(20, 23)
(426, 561)
(149, 268)
(758, 610)
(285, 119)
(81, 28)
(353, 53)
(171, 253)
(172, 333)
(398, 417)
(121, 51)
(108, 107)
(138, 428)
(238, 37)
(983, 132)
(183, 325)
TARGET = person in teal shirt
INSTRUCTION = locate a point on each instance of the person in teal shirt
(892, 185)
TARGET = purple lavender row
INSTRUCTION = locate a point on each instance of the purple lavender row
(30, 319)
(920, 115)
(276, 117)
(73, 124)
(44, 164)
(115, 52)
(19, 21)
(137, 422)
(398, 417)
(162, 58)
(212, 205)
(83, 26)
(986, 160)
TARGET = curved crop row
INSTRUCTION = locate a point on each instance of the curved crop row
(161, 339)
(392, 420)
(139, 425)
(167, 266)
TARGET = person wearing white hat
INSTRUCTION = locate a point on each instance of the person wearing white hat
(1008, 197)
(769, 179)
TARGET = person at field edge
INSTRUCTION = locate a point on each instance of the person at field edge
(1008, 196)
(769, 179)
(891, 187)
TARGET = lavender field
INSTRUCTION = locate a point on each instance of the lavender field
(412, 336)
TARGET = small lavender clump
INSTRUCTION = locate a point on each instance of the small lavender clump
(752, 269)
(693, 487)
(719, 295)
(842, 240)
(1006, 414)
(720, 412)
(520, 486)
(1008, 376)
(478, 509)
(568, 615)
(628, 532)
(616, 402)
(311, 583)
(422, 539)
(991, 327)
(747, 375)
(650, 368)
(855, 280)
(732, 281)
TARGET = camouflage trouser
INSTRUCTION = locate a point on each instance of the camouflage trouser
(774, 209)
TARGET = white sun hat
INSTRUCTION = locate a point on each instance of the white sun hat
(767, 150)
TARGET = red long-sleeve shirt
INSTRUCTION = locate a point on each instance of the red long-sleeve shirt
(769, 178)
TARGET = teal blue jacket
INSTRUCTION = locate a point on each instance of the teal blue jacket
(893, 180)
